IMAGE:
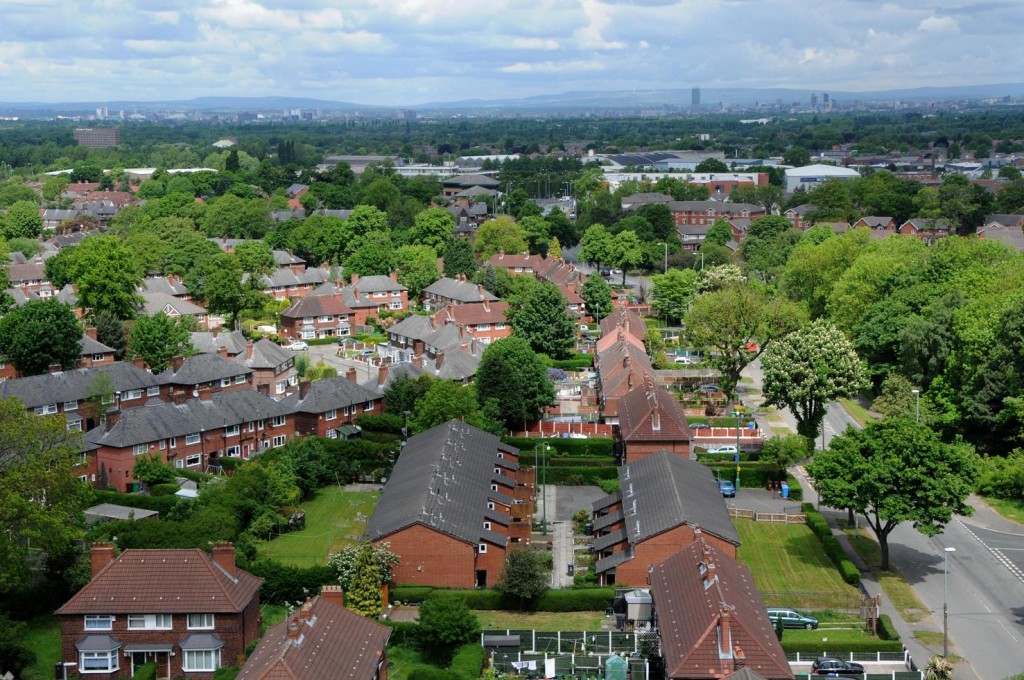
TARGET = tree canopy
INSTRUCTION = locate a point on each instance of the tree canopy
(158, 339)
(39, 334)
(544, 321)
(513, 381)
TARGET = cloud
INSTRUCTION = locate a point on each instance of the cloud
(553, 67)
(939, 25)
(535, 43)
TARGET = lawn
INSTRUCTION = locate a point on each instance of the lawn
(43, 638)
(1011, 509)
(546, 621)
(791, 569)
(903, 597)
(833, 638)
(334, 519)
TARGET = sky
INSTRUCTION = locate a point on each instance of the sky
(408, 52)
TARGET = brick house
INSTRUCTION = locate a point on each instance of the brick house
(173, 307)
(483, 321)
(454, 503)
(621, 368)
(628, 319)
(194, 434)
(454, 292)
(706, 212)
(184, 610)
(877, 223)
(711, 619)
(926, 229)
(446, 351)
(665, 503)
(271, 365)
(651, 420)
(798, 216)
(321, 640)
(515, 264)
(203, 374)
(333, 310)
(322, 408)
(94, 352)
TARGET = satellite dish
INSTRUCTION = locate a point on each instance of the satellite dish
(383, 480)
(195, 393)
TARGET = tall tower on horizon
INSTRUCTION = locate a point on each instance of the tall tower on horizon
(695, 97)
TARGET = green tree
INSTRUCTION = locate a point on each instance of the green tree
(226, 293)
(562, 228)
(895, 471)
(832, 202)
(711, 165)
(151, 470)
(236, 217)
(106, 274)
(501, 234)
(158, 339)
(458, 258)
(736, 324)
(364, 595)
(544, 321)
(344, 562)
(719, 277)
(432, 227)
(673, 292)
(513, 379)
(446, 400)
(110, 331)
(13, 192)
(538, 236)
(374, 254)
(444, 624)
(524, 576)
(41, 497)
(720, 233)
(626, 252)
(254, 258)
(784, 451)
(769, 241)
(403, 393)
(22, 220)
(596, 246)
(366, 218)
(808, 369)
(319, 238)
(797, 156)
(16, 656)
(39, 334)
(417, 268)
(813, 269)
(897, 399)
(597, 296)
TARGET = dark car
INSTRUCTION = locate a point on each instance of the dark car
(828, 666)
(699, 426)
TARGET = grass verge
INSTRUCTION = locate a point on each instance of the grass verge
(1012, 510)
(832, 639)
(790, 568)
(43, 638)
(334, 519)
(902, 595)
(547, 621)
(856, 411)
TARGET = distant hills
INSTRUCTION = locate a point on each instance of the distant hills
(579, 101)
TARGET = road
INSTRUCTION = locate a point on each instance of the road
(984, 584)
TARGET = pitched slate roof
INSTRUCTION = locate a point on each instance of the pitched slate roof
(202, 368)
(650, 413)
(209, 342)
(471, 181)
(327, 395)
(456, 289)
(25, 273)
(76, 384)
(664, 490)
(1011, 236)
(720, 208)
(876, 221)
(442, 480)
(162, 284)
(171, 581)
(265, 355)
(689, 598)
(162, 302)
(331, 643)
(162, 420)
(1005, 220)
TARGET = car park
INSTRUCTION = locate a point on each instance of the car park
(297, 346)
(826, 665)
(727, 488)
(791, 618)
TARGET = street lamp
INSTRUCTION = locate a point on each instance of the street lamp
(701, 253)
(736, 415)
(945, 606)
(917, 403)
(666, 256)
(543, 484)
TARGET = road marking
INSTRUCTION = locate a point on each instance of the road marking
(998, 554)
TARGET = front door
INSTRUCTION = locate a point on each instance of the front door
(163, 665)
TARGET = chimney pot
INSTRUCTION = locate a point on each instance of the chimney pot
(222, 351)
(333, 594)
(248, 349)
(382, 374)
(101, 554)
(176, 363)
(393, 276)
(139, 363)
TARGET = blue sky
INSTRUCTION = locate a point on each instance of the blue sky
(405, 52)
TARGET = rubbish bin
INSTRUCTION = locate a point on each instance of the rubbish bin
(785, 490)
(572, 569)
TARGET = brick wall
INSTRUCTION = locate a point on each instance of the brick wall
(430, 558)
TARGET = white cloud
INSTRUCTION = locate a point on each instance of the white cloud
(553, 66)
(535, 43)
(939, 25)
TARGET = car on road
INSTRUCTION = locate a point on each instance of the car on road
(297, 346)
(826, 665)
(791, 618)
(723, 448)
(368, 352)
(727, 488)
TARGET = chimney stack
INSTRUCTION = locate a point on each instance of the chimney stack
(91, 331)
(334, 594)
(101, 555)
(224, 556)
(355, 279)
(439, 360)
(264, 389)
(738, 657)
(417, 360)
(56, 368)
(222, 351)
(304, 388)
(306, 610)
(139, 363)
(111, 419)
(176, 363)
(382, 374)
(725, 640)
(350, 374)
(393, 276)
(293, 629)
(248, 349)
(480, 289)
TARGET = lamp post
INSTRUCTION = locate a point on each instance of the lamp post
(945, 605)
(666, 256)
(917, 404)
(736, 415)
(543, 485)
(701, 253)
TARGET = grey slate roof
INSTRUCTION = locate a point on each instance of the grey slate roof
(669, 490)
(162, 420)
(90, 346)
(160, 302)
(203, 368)
(208, 342)
(609, 539)
(442, 480)
(161, 284)
(329, 394)
(462, 291)
(265, 354)
(76, 384)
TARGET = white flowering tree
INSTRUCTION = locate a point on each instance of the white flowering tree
(809, 368)
(344, 563)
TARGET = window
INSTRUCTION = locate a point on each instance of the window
(396, 304)
(149, 622)
(277, 421)
(487, 526)
(193, 461)
(325, 318)
(332, 414)
(381, 294)
(279, 440)
(233, 451)
(131, 394)
(239, 379)
(201, 660)
(259, 424)
(99, 622)
(179, 463)
(172, 443)
(153, 391)
(483, 327)
(483, 547)
(231, 431)
(308, 335)
(141, 449)
(70, 406)
(163, 444)
(191, 439)
(499, 326)
(97, 357)
(331, 434)
(98, 662)
(225, 382)
(347, 410)
(46, 410)
(279, 388)
(74, 426)
(369, 406)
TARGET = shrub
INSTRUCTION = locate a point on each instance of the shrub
(579, 476)
(576, 600)
(609, 486)
(386, 422)
(473, 599)
(163, 489)
(162, 504)
(818, 525)
(594, 446)
(425, 672)
(815, 647)
(408, 594)
(468, 661)
(886, 631)
(283, 584)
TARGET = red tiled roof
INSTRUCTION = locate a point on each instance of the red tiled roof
(628, 319)
(648, 406)
(331, 643)
(472, 314)
(167, 581)
(690, 617)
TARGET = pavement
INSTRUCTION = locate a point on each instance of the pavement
(561, 503)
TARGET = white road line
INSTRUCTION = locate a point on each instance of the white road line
(998, 554)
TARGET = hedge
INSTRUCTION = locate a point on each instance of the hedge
(817, 648)
(564, 600)
(576, 600)
(468, 661)
(886, 631)
(283, 584)
(425, 672)
(593, 446)
(162, 504)
(819, 526)
(609, 486)
(168, 489)
(581, 476)
(386, 422)
(474, 599)
(407, 594)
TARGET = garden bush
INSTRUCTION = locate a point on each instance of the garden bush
(814, 647)
(474, 599)
(284, 584)
(818, 525)
(609, 486)
(168, 489)
(406, 594)
(576, 600)
(886, 631)
(468, 661)
(386, 422)
(594, 446)
(425, 672)
(162, 504)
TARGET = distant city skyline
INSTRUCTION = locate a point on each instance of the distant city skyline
(406, 53)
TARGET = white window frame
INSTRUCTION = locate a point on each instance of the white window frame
(225, 382)
(140, 449)
(172, 443)
(331, 415)
(97, 357)
(131, 394)
(206, 622)
(483, 326)
(259, 424)
(331, 434)
(231, 431)
(233, 451)
(483, 548)
(191, 439)
(194, 460)
(95, 621)
(112, 658)
(150, 622)
(325, 318)
(179, 463)
(153, 391)
(396, 304)
(279, 440)
(163, 444)
(279, 388)
(75, 425)
(240, 379)
(46, 410)
(70, 406)
(188, 662)
(277, 421)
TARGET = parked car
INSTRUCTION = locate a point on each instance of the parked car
(615, 272)
(367, 352)
(297, 346)
(828, 666)
(723, 448)
(699, 426)
(727, 488)
(687, 361)
(709, 388)
(792, 619)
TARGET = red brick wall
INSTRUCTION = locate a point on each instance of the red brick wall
(430, 558)
(657, 548)
(639, 450)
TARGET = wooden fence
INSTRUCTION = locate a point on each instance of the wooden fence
(771, 517)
